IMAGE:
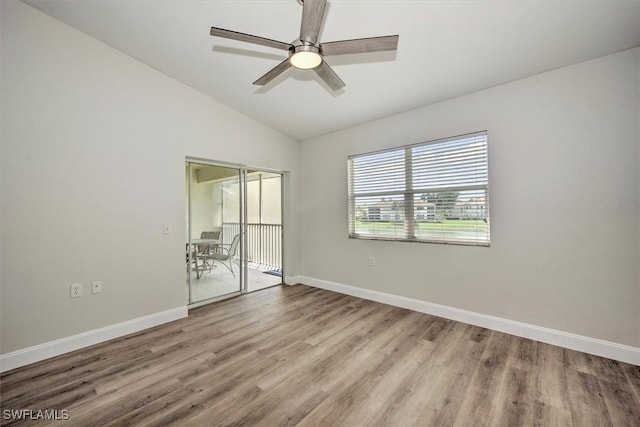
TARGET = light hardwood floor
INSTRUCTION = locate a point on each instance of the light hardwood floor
(309, 357)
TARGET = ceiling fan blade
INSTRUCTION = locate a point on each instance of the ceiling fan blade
(234, 35)
(371, 44)
(273, 73)
(329, 76)
(312, 14)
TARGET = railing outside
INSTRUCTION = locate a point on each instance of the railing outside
(264, 243)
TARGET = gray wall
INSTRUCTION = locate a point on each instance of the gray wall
(93, 151)
(565, 216)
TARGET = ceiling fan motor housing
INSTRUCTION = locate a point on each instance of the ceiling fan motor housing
(305, 56)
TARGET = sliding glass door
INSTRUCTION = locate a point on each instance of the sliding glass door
(234, 231)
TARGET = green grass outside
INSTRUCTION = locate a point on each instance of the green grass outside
(447, 226)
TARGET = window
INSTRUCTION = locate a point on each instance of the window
(436, 191)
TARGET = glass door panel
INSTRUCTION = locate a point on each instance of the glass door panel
(264, 230)
(213, 254)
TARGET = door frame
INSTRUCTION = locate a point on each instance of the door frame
(242, 168)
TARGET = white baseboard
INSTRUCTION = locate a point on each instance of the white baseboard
(621, 352)
(292, 280)
(40, 352)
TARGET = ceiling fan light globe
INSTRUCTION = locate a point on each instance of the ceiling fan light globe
(305, 60)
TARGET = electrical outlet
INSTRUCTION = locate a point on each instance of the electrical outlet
(96, 287)
(76, 290)
(372, 261)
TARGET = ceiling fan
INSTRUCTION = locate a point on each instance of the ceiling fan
(306, 53)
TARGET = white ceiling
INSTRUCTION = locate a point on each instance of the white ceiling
(446, 49)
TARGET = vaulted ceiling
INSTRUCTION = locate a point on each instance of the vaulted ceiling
(446, 49)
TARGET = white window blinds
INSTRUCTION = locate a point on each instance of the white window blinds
(436, 191)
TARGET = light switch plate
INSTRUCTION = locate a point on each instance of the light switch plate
(166, 228)
(96, 287)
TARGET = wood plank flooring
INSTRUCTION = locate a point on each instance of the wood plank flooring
(308, 357)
